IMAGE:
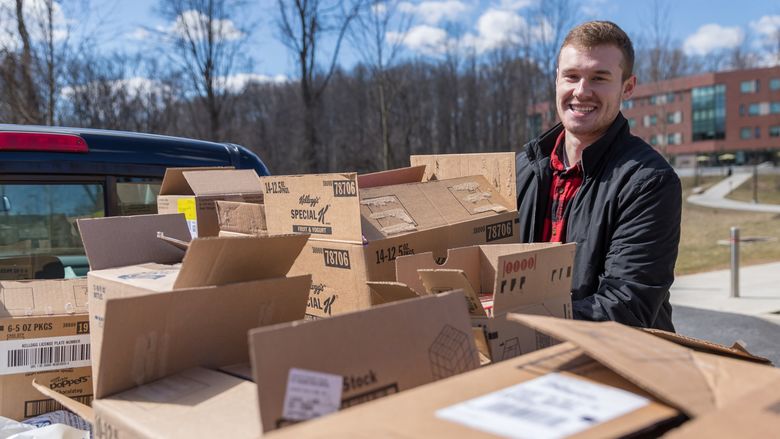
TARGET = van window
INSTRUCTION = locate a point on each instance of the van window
(39, 237)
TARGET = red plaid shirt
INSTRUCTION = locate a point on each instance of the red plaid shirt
(565, 183)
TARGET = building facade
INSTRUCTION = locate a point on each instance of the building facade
(715, 118)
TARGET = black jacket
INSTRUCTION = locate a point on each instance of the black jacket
(625, 219)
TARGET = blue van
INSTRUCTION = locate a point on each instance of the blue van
(52, 176)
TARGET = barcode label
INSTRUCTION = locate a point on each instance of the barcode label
(40, 354)
(41, 406)
(550, 407)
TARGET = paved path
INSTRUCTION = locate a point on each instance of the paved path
(714, 196)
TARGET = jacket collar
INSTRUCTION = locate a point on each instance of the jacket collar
(591, 156)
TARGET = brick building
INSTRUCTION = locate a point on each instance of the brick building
(705, 118)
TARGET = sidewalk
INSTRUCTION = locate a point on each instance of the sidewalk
(714, 196)
(759, 291)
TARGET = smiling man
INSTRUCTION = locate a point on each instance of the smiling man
(588, 180)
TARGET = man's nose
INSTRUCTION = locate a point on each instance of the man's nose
(582, 88)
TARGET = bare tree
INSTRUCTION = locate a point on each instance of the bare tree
(371, 36)
(303, 24)
(207, 36)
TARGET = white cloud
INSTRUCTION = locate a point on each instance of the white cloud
(425, 39)
(766, 26)
(433, 12)
(236, 83)
(135, 87)
(196, 25)
(514, 5)
(139, 34)
(594, 8)
(36, 18)
(496, 28)
(712, 37)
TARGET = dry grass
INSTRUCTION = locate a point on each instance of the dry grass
(702, 227)
(768, 190)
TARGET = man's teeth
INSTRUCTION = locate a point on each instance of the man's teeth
(581, 108)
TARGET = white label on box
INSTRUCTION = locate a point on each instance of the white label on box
(40, 354)
(311, 394)
(551, 406)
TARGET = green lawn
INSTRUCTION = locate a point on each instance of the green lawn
(703, 227)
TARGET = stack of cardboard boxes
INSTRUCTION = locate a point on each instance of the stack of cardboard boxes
(333, 293)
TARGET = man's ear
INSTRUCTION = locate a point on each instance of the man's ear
(628, 87)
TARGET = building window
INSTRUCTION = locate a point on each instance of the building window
(745, 133)
(708, 105)
(674, 117)
(628, 104)
(631, 122)
(674, 139)
(749, 86)
(774, 131)
(757, 133)
(650, 121)
(774, 84)
(774, 107)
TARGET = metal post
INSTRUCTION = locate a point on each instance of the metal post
(755, 183)
(735, 262)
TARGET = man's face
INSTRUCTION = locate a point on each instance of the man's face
(589, 89)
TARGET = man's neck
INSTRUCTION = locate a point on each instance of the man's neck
(575, 144)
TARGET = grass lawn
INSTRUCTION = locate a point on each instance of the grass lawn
(702, 227)
(768, 190)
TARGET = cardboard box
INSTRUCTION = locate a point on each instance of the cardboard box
(497, 279)
(734, 351)
(193, 191)
(308, 369)
(358, 232)
(238, 219)
(152, 317)
(44, 335)
(606, 380)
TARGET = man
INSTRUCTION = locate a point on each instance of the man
(588, 180)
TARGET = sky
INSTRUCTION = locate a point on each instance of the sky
(699, 26)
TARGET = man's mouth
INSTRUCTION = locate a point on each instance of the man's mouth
(580, 108)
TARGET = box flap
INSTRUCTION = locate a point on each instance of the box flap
(386, 292)
(700, 345)
(43, 297)
(238, 217)
(369, 352)
(129, 240)
(196, 403)
(412, 174)
(439, 281)
(323, 205)
(149, 337)
(498, 168)
(668, 371)
(223, 260)
(76, 407)
(532, 276)
(174, 182)
(225, 181)
(389, 211)
(463, 258)
(756, 415)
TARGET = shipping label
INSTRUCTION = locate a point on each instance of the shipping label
(188, 208)
(311, 394)
(41, 354)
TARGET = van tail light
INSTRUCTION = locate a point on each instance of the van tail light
(44, 142)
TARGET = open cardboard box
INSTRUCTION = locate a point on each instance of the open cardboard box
(605, 380)
(497, 279)
(44, 335)
(365, 355)
(145, 304)
(361, 224)
(302, 369)
(236, 218)
(193, 192)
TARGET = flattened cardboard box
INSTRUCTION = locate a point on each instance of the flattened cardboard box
(497, 279)
(666, 383)
(357, 233)
(150, 318)
(237, 218)
(370, 354)
(44, 335)
(193, 192)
